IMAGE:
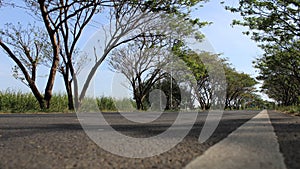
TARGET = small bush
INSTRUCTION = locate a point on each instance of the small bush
(106, 104)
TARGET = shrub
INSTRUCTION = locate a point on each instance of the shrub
(13, 102)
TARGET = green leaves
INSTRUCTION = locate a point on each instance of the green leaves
(270, 20)
(279, 69)
(274, 25)
(240, 87)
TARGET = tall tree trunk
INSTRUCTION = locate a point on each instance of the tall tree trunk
(138, 100)
(68, 86)
(70, 97)
(139, 104)
(76, 90)
(55, 46)
(38, 96)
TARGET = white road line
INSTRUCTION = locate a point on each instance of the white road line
(252, 146)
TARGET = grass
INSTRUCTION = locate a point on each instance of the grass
(15, 102)
(19, 102)
(293, 110)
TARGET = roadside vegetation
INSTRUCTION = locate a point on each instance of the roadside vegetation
(274, 26)
(145, 34)
(18, 102)
(293, 110)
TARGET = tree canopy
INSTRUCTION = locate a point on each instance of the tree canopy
(270, 21)
(279, 70)
(274, 24)
(240, 88)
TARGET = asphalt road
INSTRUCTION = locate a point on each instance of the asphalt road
(58, 141)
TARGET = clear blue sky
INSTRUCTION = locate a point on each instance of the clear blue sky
(238, 48)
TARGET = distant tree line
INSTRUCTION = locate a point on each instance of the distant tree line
(143, 68)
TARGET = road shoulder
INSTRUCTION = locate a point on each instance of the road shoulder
(253, 145)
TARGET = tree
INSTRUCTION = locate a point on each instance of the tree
(64, 22)
(279, 70)
(68, 20)
(27, 47)
(172, 91)
(240, 86)
(254, 101)
(141, 66)
(203, 66)
(143, 21)
(271, 21)
(142, 62)
(275, 26)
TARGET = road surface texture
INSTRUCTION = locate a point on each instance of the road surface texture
(243, 139)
